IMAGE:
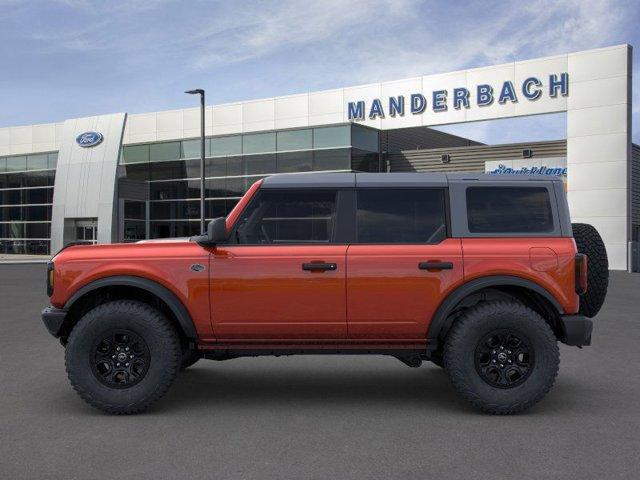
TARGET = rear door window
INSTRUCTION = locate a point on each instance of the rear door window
(509, 210)
(401, 215)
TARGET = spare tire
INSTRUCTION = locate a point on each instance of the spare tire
(589, 242)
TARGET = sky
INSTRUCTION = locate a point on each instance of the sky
(74, 58)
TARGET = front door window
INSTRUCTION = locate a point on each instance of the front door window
(288, 217)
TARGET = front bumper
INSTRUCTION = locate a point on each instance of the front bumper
(576, 330)
(53, 319)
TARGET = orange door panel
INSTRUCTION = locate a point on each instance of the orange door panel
(278, 292)
(389, 295)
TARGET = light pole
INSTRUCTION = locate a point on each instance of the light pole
(200, 91)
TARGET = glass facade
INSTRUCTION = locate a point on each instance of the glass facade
(233, 163)
(26, 196)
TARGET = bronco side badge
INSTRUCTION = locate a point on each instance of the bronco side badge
(196, 267)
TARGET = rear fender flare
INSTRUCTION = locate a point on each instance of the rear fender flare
(441, 321)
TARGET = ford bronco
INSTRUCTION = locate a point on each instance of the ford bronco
(479, 274)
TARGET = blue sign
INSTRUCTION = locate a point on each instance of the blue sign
(552, 171)
(89, 139)
(530, 89)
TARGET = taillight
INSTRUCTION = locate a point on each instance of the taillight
(581, 273)
(50, 278)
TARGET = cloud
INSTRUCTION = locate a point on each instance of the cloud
(290, 24)
(263, 48)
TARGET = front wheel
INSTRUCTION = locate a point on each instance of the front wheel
(502, 357)
(122, 356)
(189, 357)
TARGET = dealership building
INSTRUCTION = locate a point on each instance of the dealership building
(125, 177)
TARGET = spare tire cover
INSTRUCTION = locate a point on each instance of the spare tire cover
(589, 242)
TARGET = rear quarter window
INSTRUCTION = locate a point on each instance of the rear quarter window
(509, 210)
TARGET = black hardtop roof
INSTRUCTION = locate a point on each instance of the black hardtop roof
(399, 179)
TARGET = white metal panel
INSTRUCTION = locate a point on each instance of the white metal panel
(170, 121)
(258, 115)
(142, 124)
(448, 82)
(191, 118)
(21, 135)
(597, 120)
(494, 76)
(395, 89)
(598, 63)
(597, 203)
(59, 127)
(292, 122)
(609, 228)
(602, 175)
(540, 69)
(44, 133)
(367, 93)
(598, 93)
(326, 102)
(325, 119)
(227, 119)
(86, 177)
(596, 149)
(294, 106)
(5, 137)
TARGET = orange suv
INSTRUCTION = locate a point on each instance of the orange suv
(479, 274)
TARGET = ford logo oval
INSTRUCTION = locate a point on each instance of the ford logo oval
(89, 139)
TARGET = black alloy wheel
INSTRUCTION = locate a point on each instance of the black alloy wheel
(122, 356)
(504, 358)
(501, 356)
(120, 359)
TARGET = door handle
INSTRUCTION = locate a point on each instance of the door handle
(320, 267)
(435, 266)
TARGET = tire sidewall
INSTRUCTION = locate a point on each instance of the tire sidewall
(589, 242)
(138, 318)
(460, 355)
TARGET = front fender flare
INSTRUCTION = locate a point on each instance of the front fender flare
(154, 288)
(441, 323)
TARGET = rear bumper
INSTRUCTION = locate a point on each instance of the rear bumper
(53, 319)
(576, 330)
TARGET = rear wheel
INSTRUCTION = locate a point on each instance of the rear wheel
(502, 357)
(122, 356)
(437, 359)
(589, 242)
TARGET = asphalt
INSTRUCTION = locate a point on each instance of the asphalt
(317, 417)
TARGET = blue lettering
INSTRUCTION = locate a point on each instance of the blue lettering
(376, 109)
(507, 93)
(439, 100)
(356, 110)
(460, 98)
(396, 106)
(528, 92)
(562, 84)
(485, 95)
(418, 103)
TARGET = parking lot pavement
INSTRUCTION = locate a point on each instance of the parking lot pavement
(317, 417)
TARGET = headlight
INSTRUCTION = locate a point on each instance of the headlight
(50, 278)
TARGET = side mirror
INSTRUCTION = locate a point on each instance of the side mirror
(217, 230)
(216, 233)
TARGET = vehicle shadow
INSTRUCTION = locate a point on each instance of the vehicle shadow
(205, 386)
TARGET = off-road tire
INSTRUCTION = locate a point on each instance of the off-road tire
(437, 359)
(460, 356)
(164, 354)
(189, 357)
(589, 242)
